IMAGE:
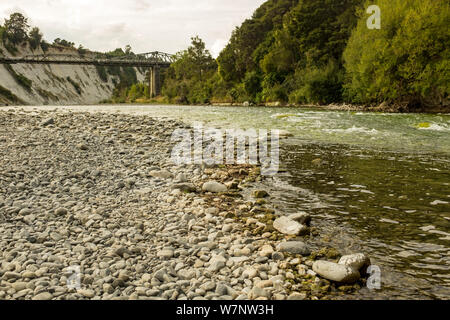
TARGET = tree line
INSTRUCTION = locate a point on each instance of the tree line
(321, 52)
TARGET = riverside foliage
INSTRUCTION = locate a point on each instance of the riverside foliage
(321, 51)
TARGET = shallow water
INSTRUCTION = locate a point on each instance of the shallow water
(383, 186)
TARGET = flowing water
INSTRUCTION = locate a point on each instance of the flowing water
(382, 185)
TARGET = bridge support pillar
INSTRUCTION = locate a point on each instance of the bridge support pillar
(155, 81)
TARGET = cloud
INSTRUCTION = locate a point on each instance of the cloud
(147, 25)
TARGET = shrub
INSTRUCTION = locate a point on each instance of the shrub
(75, 85)
(319, 85)
(9, 95)
(101, 70)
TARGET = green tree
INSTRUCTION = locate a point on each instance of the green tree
(35, 38)
(16, 28)
(237, 57)
(407, 61)
(188, 80)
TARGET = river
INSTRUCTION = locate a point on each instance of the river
(382, 186)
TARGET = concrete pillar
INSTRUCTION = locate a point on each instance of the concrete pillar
(150, 82)
(157, 77)
(155, 81)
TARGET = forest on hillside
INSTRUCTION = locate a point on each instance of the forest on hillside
(321, 52)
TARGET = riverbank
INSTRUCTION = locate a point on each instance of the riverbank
(385, 108)
(99, 192)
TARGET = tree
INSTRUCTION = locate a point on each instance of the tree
(16, 28)
(406, 61)
(128, 49)
(188, 78)
(35, 38)
(64, 43)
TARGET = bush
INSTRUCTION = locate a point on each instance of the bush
(45, 46)
(75, 85)
(20, 79)
(319, 85)
(407, 61)
(9, 95)
(101, 71)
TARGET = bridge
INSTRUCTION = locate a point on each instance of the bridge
(152, 60)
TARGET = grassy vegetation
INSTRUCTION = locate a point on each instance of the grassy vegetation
(10, 96)
(101, 70)
(75, 85)
(47, 95)
(20, 79)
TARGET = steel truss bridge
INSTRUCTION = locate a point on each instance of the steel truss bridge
(153, 60)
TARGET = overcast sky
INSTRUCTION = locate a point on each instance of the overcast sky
(146, 25)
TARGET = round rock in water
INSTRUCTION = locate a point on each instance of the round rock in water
(336, 272)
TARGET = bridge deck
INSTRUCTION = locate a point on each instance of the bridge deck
(147, 60)
(146, 64)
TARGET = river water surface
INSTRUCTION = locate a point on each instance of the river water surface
(382, 186)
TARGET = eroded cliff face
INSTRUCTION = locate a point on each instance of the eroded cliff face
(54, 84)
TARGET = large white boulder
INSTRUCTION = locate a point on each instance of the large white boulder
(336, 272)
(214, 186)
(288, 226)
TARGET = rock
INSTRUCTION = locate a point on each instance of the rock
(82, 147)
(185, 187)
(222, 289)
(25, 212)
(214, 186)
(357, 261)
(259, 194)
(208, 286)
(123, 276)
(297, 296)
(10, 275)
(187, 274)
(181, 177)
(289, 226)
(212, 211)
(43, 296)
(277, 256)
(61, 211)
(161, 275)
(336, 272)
(266, 251)
(161, 174)
(19, 286)
(216, 263)
(250, 273)
(165, 254)
(258, 293)
(87, 293)
(47, 122)
(294, 247)
(28, 275)
(246, 104)
(301, 217)
(227, 228)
